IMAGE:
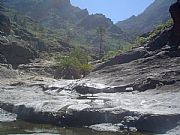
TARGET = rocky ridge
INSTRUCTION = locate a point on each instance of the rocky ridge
(71, 22)
(13, 51)
(154, 15)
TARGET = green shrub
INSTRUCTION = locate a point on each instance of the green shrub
(69, 67)
(80, 55)
(85, 69)
(140, 41)
(73, 66)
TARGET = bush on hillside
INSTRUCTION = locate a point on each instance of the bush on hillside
(153, 34)
(73, 66)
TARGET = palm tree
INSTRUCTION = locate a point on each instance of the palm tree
(101, 32)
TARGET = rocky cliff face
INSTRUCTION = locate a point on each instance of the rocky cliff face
(175, 32)
(169, 37)
(40, 9)
(17, 53)
(60, 11)
(93, 21)
(155, 14)
(50, 13)
(13, 50)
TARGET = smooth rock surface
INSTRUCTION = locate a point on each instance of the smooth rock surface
(64, 107)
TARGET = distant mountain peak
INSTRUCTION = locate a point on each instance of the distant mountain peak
(155, 14)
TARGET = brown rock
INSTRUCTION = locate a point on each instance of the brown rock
(175, 35)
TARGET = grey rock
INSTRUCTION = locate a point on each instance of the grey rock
(6, 72)
(160, 41)
(17, 53)
(157, 123)
(133, 129)
(105, 127)
(5, 24)
(125, 58)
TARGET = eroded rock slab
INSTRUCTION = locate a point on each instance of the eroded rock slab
(66, 107)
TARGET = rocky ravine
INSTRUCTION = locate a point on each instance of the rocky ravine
(142, 94)
(138, 90)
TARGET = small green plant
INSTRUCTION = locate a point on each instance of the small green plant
(73, 66)
(140, 41)
(80, 54)
(85, 69)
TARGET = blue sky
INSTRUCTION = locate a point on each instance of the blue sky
(116, 10)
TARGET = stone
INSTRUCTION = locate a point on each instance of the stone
(129, 121)
(125, 58)
(133, 129)
(3, 59)
(16, 53)
(129, 89)
(175, 32)
(160, 41)
(105, 127)
(5, 24)
(157, 123)
(120, 125)
(3, 39)
(170, 36)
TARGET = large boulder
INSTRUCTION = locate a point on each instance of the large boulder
(5, 24)
(16, 53)
(157, 123)
(160, 41)
(125, 58)
(170, 36)
(175, 34)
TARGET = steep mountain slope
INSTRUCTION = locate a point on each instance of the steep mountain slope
(155, 14)
(73, 24)
(47, 12)
(23, 39)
